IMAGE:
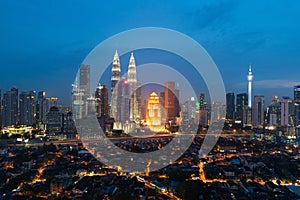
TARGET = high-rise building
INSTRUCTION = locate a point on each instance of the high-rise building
(258, 111)
(153, 116)
(101, 96)
(250, 79)
(54, 122)
(39, 107)
(202, 102)
(217, 111)
(230, 106)
(274, 113)
(115, 78)
(50, 102)
(297, 104)
(98, 100)
(104, 101)
(134, 104)
(170, 101)
(27, 108)
(122, 114)
(203, 111)
(286, 111)
(91, 105)
(138, 99)
(78, 103)
(68, 125)
(115, 71)
(84, 79)
(242, 107)
(10, 107)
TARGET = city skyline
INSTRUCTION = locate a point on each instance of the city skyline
(150, 99)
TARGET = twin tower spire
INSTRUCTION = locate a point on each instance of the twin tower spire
(128, 110)
(116, 70)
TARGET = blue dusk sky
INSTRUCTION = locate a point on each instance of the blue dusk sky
(42, 43)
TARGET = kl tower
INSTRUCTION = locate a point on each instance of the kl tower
(250, 78)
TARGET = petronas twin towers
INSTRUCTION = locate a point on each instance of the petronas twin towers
(126, 93)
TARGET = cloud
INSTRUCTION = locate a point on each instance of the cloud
(272, 84)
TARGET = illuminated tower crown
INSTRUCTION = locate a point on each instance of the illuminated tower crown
(131, 70)
(116, 70)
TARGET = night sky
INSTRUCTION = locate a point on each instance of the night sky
(42, 43)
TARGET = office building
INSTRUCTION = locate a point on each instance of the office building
(242, 108)
(39, 108)
(286, 111)
(10, 107)
(258, 111)
(230, 106)
(171, 101)
(27, 108)
(297, 104)
(54, 123)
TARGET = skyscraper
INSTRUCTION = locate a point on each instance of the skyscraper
(297, 104)
(10, 107)
(202, 102)
(27, 108)
(84, 79)
(78, 102)
(39, 108)
(153, 114)
(133, 86)
(250, 78)
(54, 122)
(274, 112)
(258, 111)
(84, 86)
(203, 112)
(116, 70)
(101, 96)
(230, 106)
(123, 102)
(170, 100)
(241, 107)
(286, 111)
(115, 78)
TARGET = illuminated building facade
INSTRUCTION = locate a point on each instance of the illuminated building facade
(133, 85)
(116, 70)
(153, 117)
(84, 80)
(78, 102)
(123, 102)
